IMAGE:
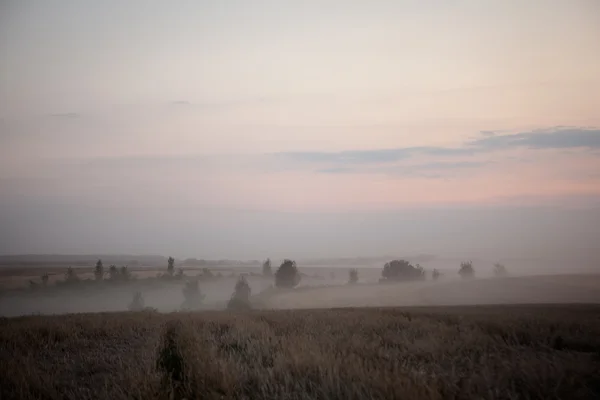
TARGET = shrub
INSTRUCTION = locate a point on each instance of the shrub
(435, 275)
(45, 279)
(500, 270)
(124, 273)
(137, 304)
(402, 270)
(466, 269)
(353, 276)
(99, 270)
(71, 276)
(240, 299)
(113, 273)
(192, 295)
(266, 268)
(180, 273)
(287, 275)
(207, 273)
(171, 266)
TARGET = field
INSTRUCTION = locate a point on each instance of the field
(518, 337)
(491, 352)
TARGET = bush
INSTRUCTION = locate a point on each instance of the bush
(466, 270)
(137, 304)
(180, 273)
(45, 279)
(353, 276)
(71, 276)
(435, 275)
(287, 275)
(500, 270)
(266, 268)
(113, 273)
(402, 270)
(240, 299)
(192, 296)
(207, 273)
(124, 273)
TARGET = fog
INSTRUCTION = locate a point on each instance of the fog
(313, 292)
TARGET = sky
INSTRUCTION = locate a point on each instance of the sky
(237, 129)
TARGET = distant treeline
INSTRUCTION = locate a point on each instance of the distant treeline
(89, 260)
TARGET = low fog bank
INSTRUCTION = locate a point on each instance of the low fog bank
(447, 292)
(320, 293)
(167, 297)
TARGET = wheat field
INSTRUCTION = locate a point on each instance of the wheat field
(480, 352)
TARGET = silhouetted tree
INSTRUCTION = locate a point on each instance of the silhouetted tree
(500, 270)
(45, 279)
(171, 266)
(353, 276)
(466, 269)
(99, 270)
(137, 304)
(435, 275)
(266, 268)
(240, 299)
(124, 273)
(192, 295)
(71, 276)
(287, 275)
(113, 273)
(402, 270)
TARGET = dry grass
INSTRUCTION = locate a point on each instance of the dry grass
(501, 352)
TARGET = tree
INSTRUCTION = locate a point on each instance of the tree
(113, 273)
(192, 295)
(500, 270)
(287, 275)
(124, 273)
(266, 268)
(71, 276)
(99, 270)
(240, 299)
(171, 266)
(45, 279)
(402, 270)
(435, 275)
(137, 304)
(466, 269)
(353, 276)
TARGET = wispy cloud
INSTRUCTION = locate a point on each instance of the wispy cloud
(553, 138)
(423, 170)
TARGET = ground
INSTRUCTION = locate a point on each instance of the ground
(491, 352)
(450, 339)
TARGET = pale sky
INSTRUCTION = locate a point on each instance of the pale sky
(119, 116)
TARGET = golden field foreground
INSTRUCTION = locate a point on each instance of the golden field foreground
(478, 352)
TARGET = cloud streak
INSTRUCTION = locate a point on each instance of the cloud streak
(557, 138)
